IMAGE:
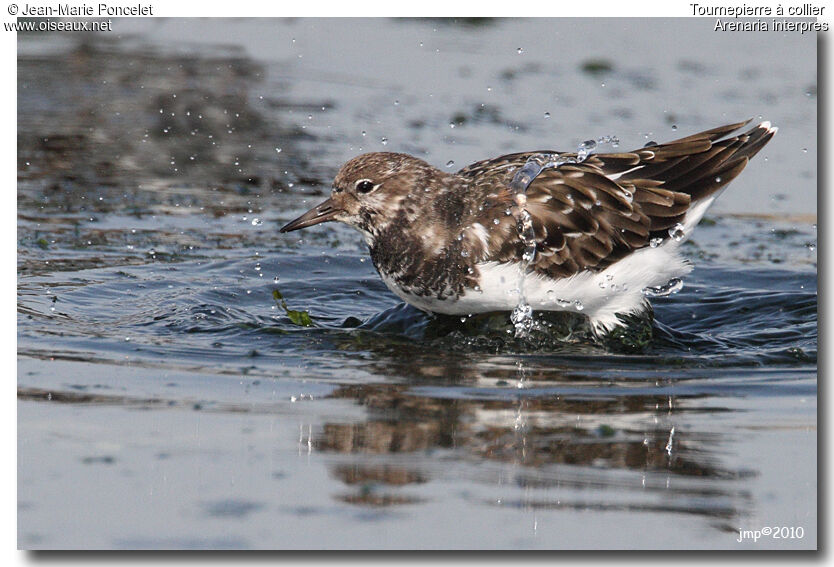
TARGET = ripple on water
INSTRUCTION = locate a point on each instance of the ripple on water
(724, 316)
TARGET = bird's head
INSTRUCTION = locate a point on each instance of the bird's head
(370, 191)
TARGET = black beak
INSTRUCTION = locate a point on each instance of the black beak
(320, 213)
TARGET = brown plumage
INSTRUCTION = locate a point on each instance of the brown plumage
(585, 220)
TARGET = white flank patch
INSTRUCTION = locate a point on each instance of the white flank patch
(617, 289)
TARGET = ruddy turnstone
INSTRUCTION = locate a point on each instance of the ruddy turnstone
(606, 228)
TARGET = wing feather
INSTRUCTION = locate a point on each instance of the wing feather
(588, 215)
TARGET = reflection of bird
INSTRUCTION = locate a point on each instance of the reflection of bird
(606, 227)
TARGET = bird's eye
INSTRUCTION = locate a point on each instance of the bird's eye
(365, 186)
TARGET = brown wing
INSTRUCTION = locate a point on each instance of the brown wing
(591, 214)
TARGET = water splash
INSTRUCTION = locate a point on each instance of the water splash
(588, 147)
(522, 315)
(677, 232)
(672, 286)
(585, 149)
(669, 444)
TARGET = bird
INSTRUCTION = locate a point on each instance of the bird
(607, 227)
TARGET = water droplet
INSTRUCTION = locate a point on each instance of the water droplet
(674, 126)
(585, 149)
(677, 232)
(520, 50)
(278, 150)
(364, 133)
(522, 318)
(804, 151)
(496, 221)
(578, 305)
(257, 222)
(275, 279)
(655, 242)
(672, 286)
(396, 103)
(718, 179)
(384, 141)
(811, 246)
(450, 163)
(547, 115)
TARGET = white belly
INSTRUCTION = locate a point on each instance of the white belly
(599, 295)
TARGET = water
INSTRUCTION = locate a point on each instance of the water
(674, 285)
(159, 373)
(522, 315)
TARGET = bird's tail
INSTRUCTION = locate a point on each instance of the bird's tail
(703, 164)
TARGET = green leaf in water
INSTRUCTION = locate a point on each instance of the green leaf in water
(300, 318)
